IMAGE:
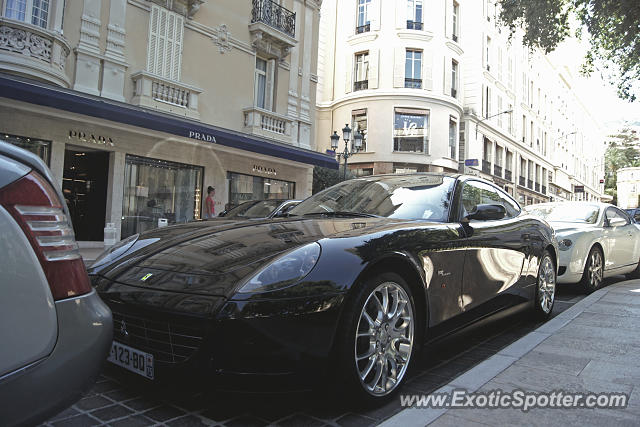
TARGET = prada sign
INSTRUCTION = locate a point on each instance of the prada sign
(91, 138)
(264, 170)
(201, 136)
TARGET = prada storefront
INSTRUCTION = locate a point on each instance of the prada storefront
(139, 169)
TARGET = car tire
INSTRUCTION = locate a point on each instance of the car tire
(545, 287)
(635, 274)
(379, 338)
(593, 274)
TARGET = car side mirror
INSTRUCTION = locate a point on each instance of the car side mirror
(615, 222)
(487, 212)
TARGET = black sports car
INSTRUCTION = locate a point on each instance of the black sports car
(349, 285)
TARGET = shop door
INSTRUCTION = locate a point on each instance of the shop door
(85, 190)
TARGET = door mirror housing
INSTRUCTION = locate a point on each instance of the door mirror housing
(615, 222)
(487, 212)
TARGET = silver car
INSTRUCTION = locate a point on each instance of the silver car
(55, 331)
(596, 240)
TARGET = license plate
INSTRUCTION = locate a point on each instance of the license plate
(129, 358)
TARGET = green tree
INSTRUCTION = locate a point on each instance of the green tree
(613, 27)
(622, 152)
(325, 177)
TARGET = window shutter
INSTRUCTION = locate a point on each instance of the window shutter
(447, 75)
(177, 47)
(153, 39)
(374, 15)
(398, 67)
(448, 16)
(374, 55)
(484, 51)
(162, 42)
(170, 32)
(269, 95)
(427, 69)
(401, 13)
(348, 65)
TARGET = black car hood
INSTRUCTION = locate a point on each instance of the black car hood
(212, 257)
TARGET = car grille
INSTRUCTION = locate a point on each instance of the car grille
(170, 340)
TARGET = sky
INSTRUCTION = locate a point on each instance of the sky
(597, 94)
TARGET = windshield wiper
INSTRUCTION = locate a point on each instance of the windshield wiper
(344, 213)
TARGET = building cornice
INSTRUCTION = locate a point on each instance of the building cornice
(378, 94)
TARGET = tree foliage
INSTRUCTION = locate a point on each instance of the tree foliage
(622, 152)
(325, 177)
(613, 27)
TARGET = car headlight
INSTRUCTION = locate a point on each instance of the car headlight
(564, 244)
(284, 270)
(115, 251)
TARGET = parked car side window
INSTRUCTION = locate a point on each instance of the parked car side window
(476, 193)
(612, 213)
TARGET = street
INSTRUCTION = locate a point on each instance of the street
(119, 399)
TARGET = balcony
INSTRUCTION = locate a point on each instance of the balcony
(486, 166)
(497, 170)
(413, 83)
(544, 189)
(454, 92)
(455, 37)
(530, 184)
(363, 28)
(521, 181)
(272, 28)
(537, 187)
(413, 25)
(361, 85)
(166, 95)
(508, 175)
(34, 52)
(267, 123)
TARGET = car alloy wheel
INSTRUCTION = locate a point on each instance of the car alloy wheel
(384, 338)
(546, 285)
(593, 274)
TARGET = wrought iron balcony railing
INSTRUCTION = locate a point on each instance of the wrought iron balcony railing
(413, 83)
(497, 170)
(275, 16)
(363, 28)
(537, 186)
(361, 85)
(486, 166)
(507, 174)
(413, 25)
(530, 184)
(521, 181)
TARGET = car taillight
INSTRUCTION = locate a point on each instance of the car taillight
(34, 204)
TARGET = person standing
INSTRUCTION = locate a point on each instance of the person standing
(209, 203)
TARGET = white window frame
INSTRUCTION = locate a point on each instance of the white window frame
(453, 142)
(407, 131)
(412, 8)
(27, 8)
(164, 53)
(362, 13)
(455, 12)
(413, 56)
(454, 76)
(355, 114)
(361, 67)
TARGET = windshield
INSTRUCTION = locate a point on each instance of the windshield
(257, 209)
(566, 212)
(402, 196)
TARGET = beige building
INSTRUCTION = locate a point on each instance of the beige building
(628, 186)
(138, 106)
(436, 85)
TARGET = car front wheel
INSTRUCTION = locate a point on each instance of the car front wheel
(593, 271)
(379, 341)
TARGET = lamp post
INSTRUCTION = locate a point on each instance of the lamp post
(355, 146)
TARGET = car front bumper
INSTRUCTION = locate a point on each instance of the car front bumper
(572, 262)
(50, 385)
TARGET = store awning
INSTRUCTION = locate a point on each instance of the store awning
(68, 100)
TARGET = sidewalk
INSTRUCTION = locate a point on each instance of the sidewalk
(593, 346)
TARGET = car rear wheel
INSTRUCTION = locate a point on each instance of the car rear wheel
(378, 343)
(593, 271)
(545, 287)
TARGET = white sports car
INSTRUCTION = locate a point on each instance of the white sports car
(596, 240)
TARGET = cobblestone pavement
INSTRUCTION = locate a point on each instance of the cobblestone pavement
(118, 399)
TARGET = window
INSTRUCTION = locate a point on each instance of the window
(510, 119)
(414, 14)
(156, 190)
(260, 82)
(487, 102)
(500, 111)
(359, 123)
(164, 56)
(488, 50)
(410, 132)
(500, 64)
(413, 69)
(363, 24)
(612, 213)
(34, 11)
(454, 78)
(524, 128)
(361, 71)
(243, 188)
(38, 147)
(510, 71)
(453, 138)
(476, 193)
(454, 27)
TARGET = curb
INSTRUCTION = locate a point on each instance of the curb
(487, 370)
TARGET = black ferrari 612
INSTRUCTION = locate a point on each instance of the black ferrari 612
(350, 285)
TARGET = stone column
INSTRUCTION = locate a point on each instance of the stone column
(115, 190)
(56, 161)
(88, 50)
(115, 63)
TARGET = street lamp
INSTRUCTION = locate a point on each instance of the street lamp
(355, 147)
